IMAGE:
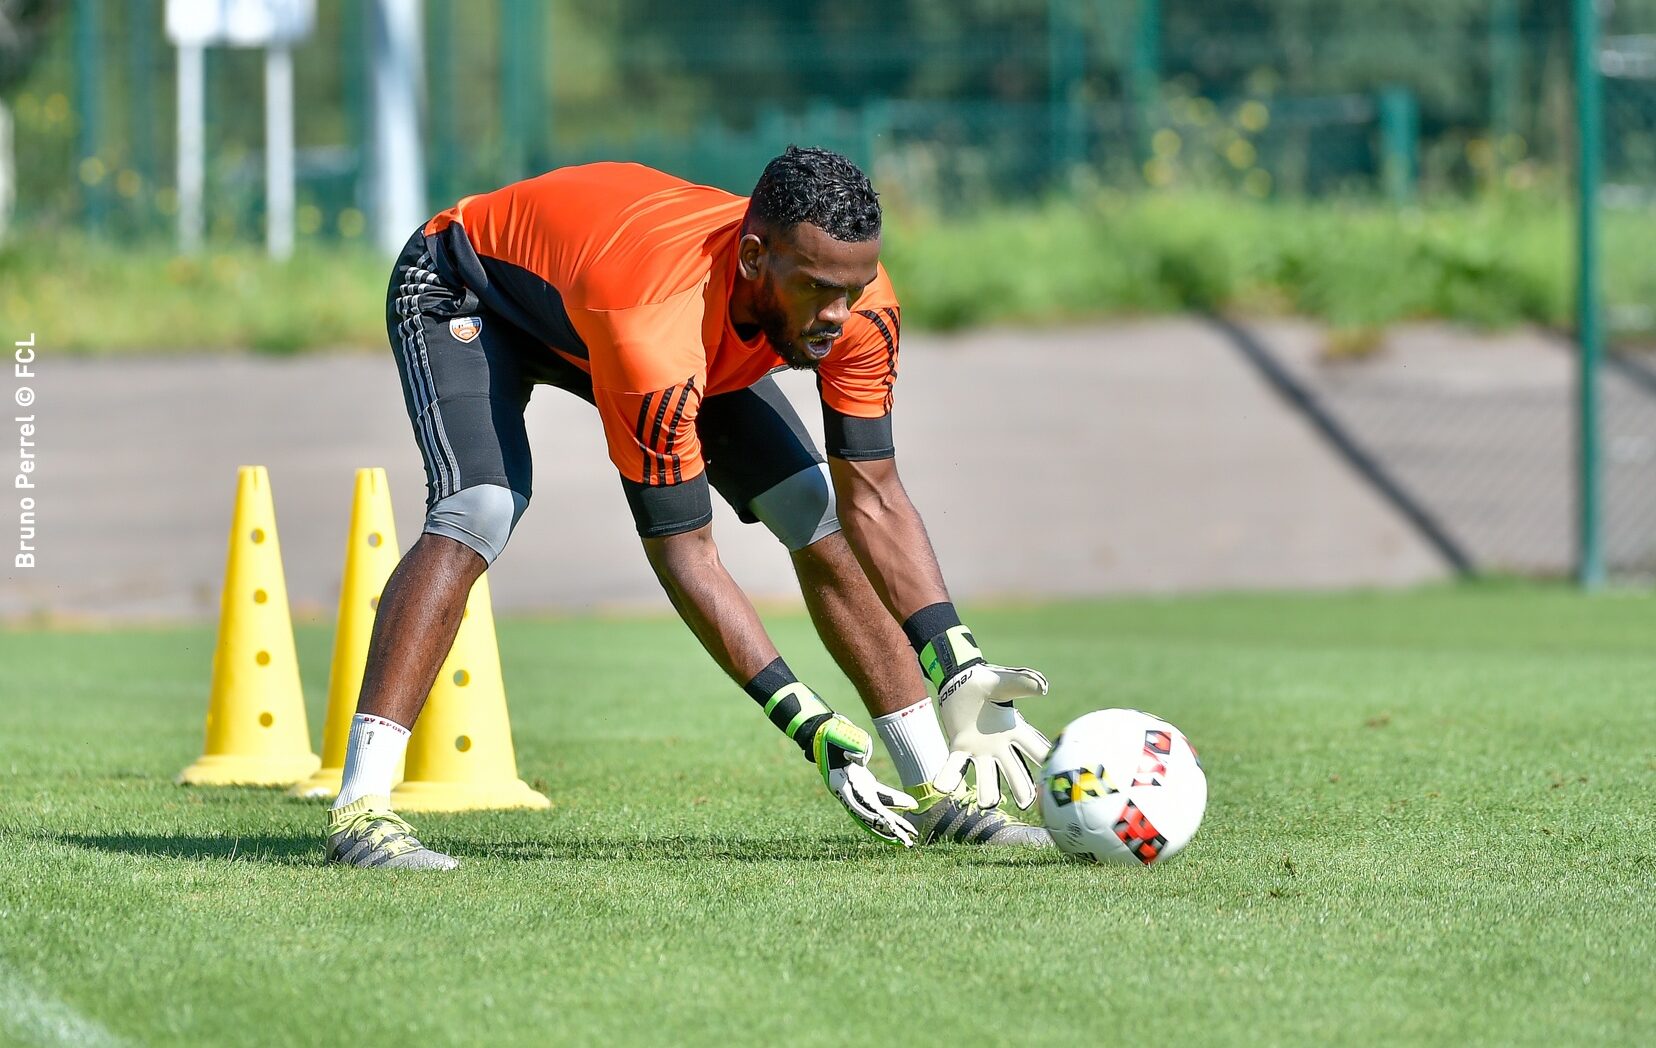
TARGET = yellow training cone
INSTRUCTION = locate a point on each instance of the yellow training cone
(256, 733)
(370, 557)
(460, 756)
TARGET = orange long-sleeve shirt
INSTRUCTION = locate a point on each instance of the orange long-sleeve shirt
(627, 272)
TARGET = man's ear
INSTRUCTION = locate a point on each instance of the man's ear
(750, 255)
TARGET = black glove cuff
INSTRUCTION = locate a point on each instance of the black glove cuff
(769, 681)
(786, 710)
(947, 649)
(928, 622)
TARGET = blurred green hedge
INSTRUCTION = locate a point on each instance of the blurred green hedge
(1357, 265)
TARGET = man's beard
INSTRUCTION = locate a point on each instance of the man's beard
(788, 345)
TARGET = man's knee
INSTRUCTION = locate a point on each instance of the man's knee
(801, 509)
(481, 517)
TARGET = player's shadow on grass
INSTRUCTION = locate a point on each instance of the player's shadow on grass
(669, 847)
(307, 850)
(708, 847)
(279, 850)
(266, 848)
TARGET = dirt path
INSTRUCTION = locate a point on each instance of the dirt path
(1141, 457)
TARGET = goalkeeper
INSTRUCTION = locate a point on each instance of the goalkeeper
(667, 305)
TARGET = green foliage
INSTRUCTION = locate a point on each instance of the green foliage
(1493, 261)
(22, 24)
(1429, 823)
(91, 295)
(1355, 264)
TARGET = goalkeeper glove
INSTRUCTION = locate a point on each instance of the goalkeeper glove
(975, 701)
(839, 749)
(842, 752)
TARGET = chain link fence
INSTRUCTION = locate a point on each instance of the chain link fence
(965, 104)
(954, 104)
(1627, 64)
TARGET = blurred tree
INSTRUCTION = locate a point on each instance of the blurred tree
(22, 23)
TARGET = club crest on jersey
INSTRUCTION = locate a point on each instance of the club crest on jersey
(465, 329)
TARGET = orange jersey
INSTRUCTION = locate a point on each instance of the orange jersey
(627, 272)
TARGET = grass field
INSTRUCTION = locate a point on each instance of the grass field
(1431, 822)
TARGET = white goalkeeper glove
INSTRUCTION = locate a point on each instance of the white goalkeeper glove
(987, 731)
(842, 750)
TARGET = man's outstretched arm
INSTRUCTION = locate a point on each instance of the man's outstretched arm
(710, 602)
(975, 698)
(723, 619)
(886, 533)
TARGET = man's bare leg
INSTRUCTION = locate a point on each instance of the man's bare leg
(414, 628)
(419, 615)
(872, 651)
(855, 627)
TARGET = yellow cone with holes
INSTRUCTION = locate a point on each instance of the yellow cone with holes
(370, 557)
(256, 733)
(460, 756)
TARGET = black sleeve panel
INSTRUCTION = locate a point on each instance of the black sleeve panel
(857, 439)
(660, 510)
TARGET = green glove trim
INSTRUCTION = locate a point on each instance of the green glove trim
(835, 741)
(794, 708)
(948, 653)
(810, 706)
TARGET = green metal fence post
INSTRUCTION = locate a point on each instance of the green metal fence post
(1589, 144)
(522, 46)
(143, 17)
(353, 55)
(441, 159)
(89, 166)
(1505, 61)
(1399, 138)
(874, 122)
(1144, 77)
(537, 69)
(511, 144)
(1065, 67)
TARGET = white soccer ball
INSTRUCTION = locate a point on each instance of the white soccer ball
(1124, 787)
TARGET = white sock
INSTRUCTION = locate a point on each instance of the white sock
(375, 749)
(915, 741)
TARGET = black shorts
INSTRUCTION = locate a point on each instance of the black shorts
(466, 391)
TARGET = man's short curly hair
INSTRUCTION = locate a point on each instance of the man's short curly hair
(817, 186)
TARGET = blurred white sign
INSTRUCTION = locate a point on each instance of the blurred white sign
(239, 23)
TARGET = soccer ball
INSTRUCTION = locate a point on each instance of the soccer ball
(1123, 787)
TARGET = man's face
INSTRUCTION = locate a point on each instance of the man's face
(805, 283)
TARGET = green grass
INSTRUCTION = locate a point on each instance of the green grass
(1358, 265)
(1430, 823)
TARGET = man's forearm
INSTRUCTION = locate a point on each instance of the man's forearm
(710, 602)
(723, 619)
(890, 541)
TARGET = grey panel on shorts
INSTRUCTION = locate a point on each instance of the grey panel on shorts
(801, 509)
(752, 440)
(481, 516)
(467, 373)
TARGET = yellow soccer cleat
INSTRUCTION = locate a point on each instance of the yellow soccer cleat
(368, 834)
(957, 819)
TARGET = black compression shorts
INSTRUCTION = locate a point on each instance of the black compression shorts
(467, 374)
